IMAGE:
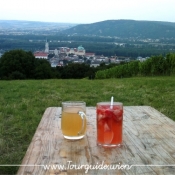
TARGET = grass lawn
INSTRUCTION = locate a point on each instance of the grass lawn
(23, 102)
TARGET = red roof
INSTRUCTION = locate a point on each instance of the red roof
(40, 54)
(90, 53)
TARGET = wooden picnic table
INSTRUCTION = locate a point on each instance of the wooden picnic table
(148, 146)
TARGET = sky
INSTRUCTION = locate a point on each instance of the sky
(87, 11)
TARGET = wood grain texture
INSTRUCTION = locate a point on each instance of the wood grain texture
(148, 141)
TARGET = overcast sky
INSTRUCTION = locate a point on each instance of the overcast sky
(87, 11)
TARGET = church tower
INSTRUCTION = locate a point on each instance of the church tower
(46, 47)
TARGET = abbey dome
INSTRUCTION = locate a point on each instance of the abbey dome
(80, 48)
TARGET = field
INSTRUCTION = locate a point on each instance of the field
(23, 102)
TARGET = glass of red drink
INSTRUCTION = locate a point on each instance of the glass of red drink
(109, 124)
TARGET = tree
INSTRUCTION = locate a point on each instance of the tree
(43, 69)
(17, 64)
(75, 70)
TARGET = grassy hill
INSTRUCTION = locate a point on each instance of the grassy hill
(126, 28)
(24, 102)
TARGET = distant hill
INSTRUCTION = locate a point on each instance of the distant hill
(33, 25)
(125, 29)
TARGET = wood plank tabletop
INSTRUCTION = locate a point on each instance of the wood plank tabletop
(148, 147)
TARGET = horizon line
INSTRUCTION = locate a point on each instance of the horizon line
(26, 20)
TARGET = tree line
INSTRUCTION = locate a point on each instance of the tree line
(154, 66)
(20, 64)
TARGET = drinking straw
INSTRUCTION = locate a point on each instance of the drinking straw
(112, 101)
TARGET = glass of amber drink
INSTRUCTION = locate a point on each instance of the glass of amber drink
(109, 124)
(73, 119)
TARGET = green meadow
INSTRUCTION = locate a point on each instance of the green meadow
(23, 102)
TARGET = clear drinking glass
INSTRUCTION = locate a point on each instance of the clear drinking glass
(73, 120)
(109, 123)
